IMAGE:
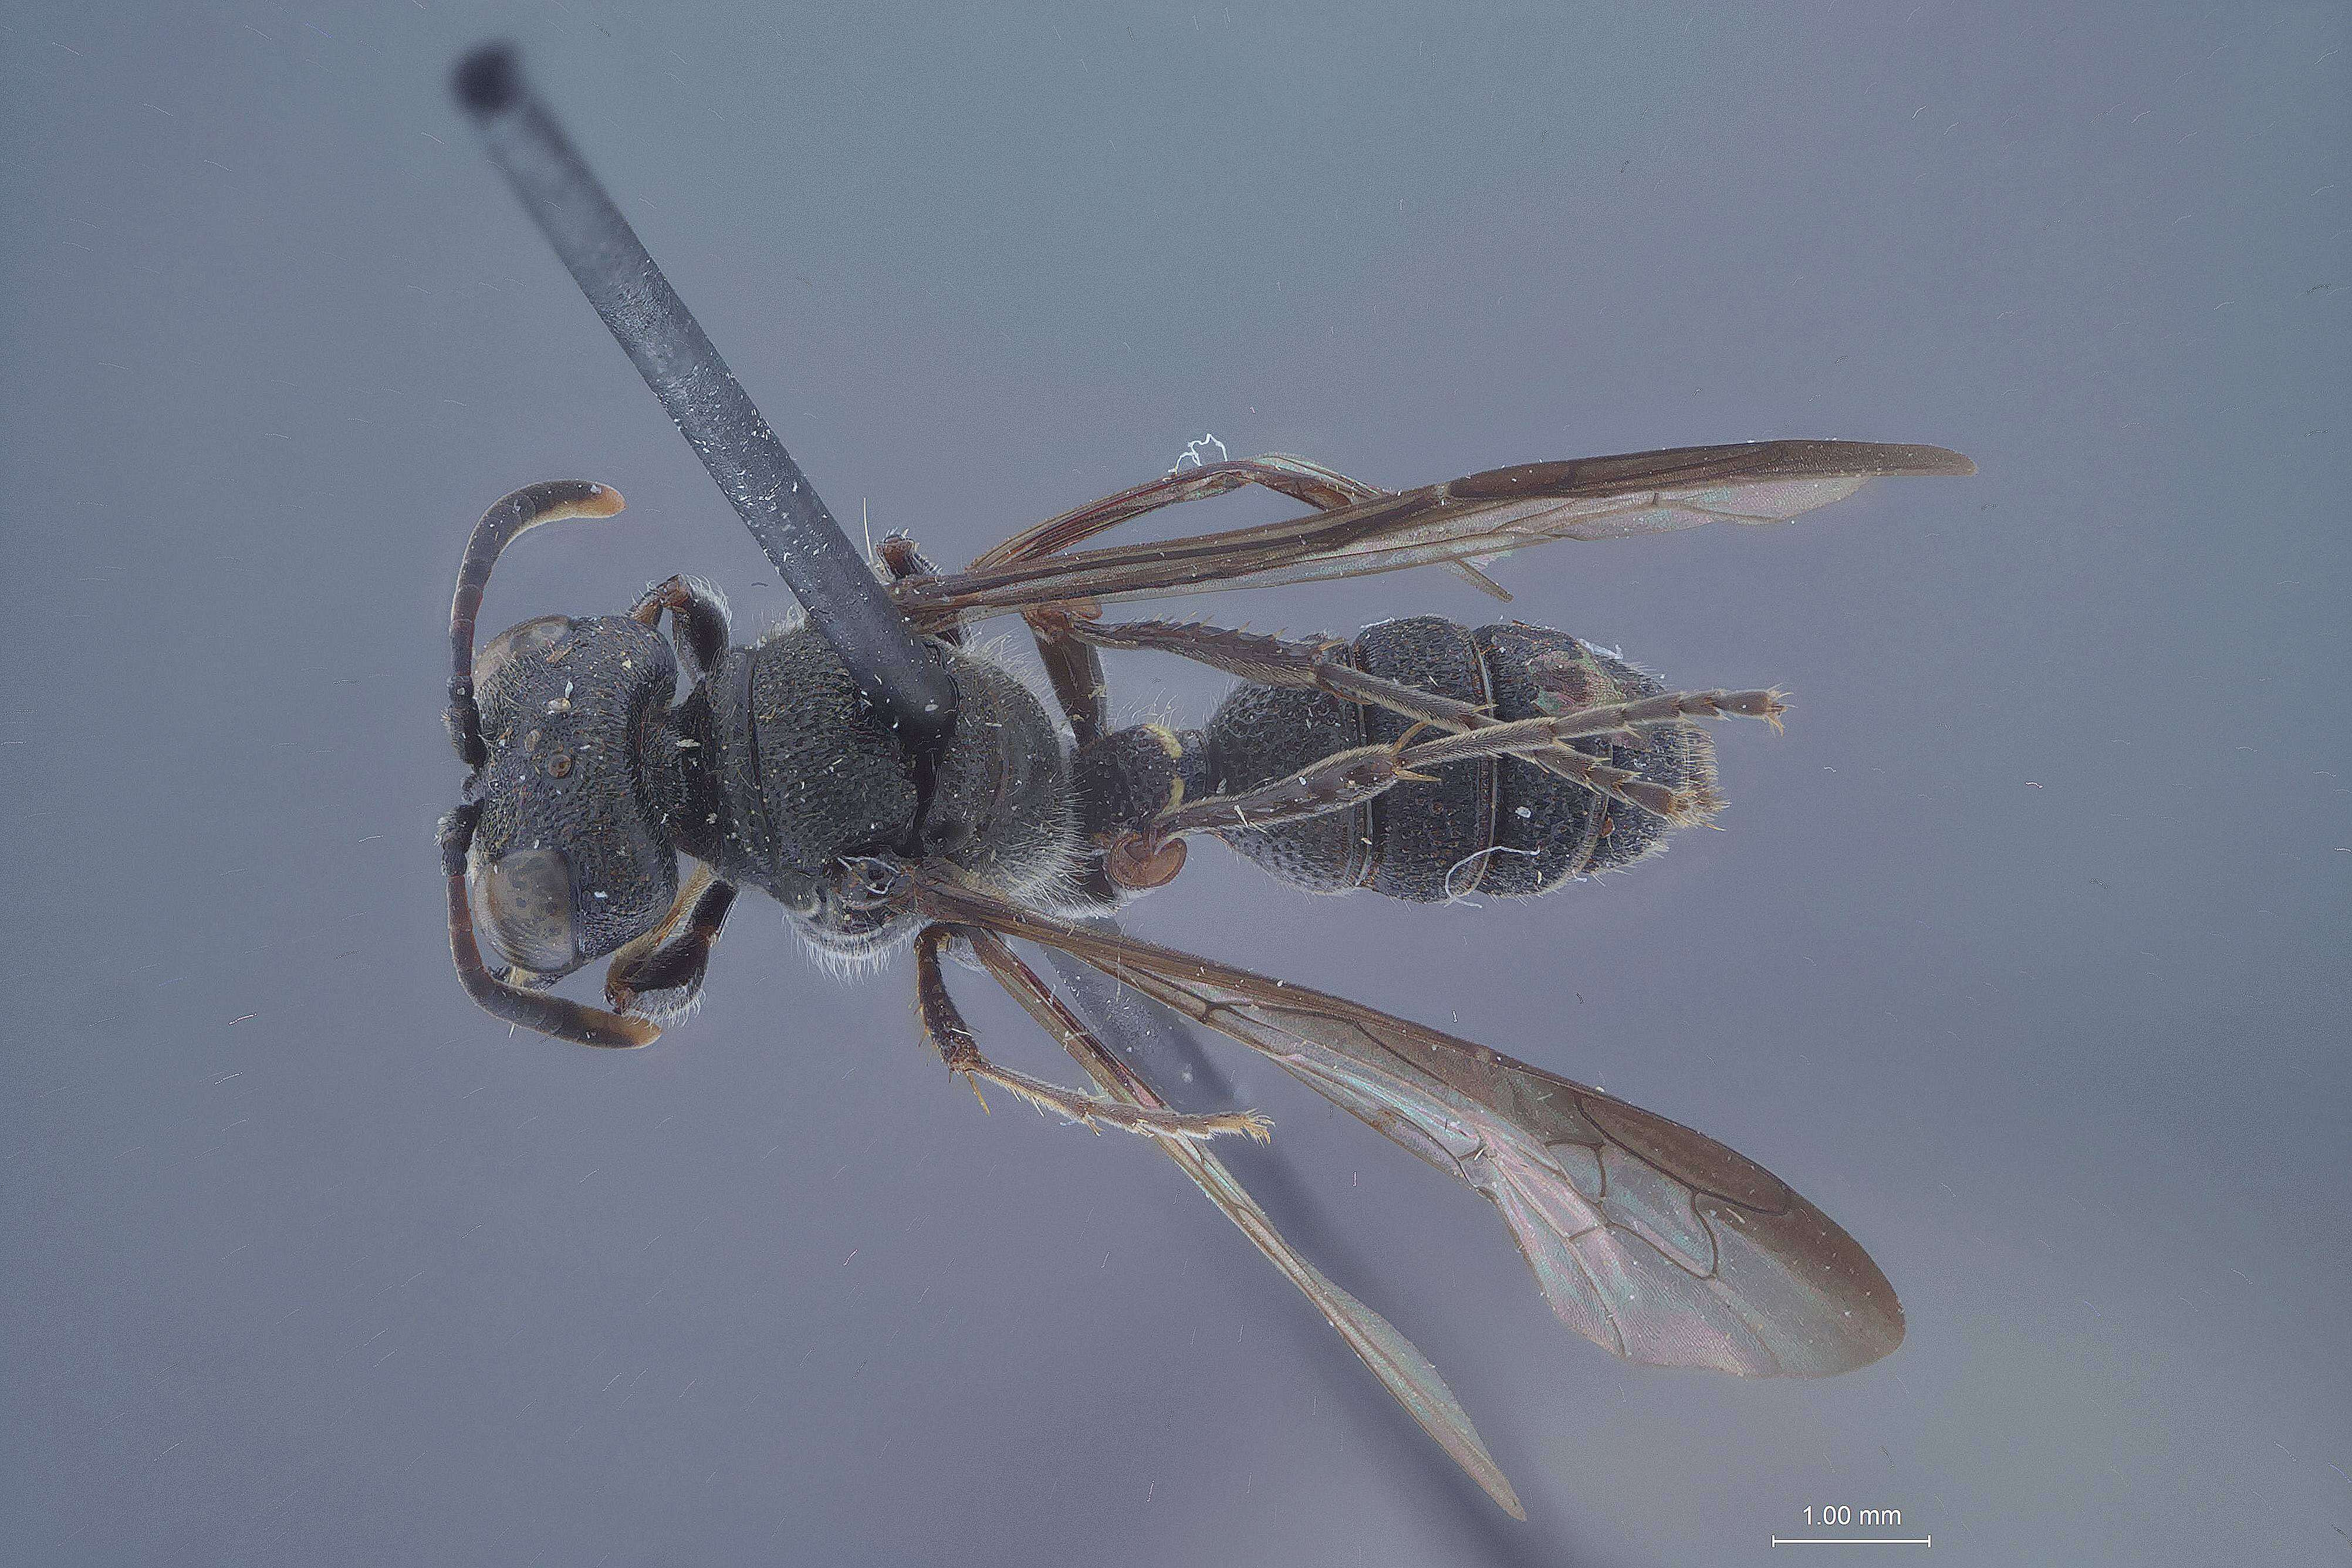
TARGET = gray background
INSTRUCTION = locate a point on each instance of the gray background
(2022, 953)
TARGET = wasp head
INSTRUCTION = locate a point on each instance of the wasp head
(574, 854)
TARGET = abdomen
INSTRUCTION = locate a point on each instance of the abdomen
(1497, 826)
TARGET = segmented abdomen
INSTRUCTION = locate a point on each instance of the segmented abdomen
(1496, 826)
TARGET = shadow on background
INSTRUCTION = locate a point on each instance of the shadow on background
(1171, 1054)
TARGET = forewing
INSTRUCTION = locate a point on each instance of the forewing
(1648, 1238)
(1465, 520)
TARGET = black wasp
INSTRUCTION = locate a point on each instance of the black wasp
(1420, 759)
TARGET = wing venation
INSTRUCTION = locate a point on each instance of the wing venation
(1648, 1238)
(1464, 522)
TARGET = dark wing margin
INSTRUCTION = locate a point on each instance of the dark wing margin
(1467, 521)
(1651, 1240)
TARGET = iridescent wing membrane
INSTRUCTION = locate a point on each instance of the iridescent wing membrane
(1362, 530)
(1651, 1240)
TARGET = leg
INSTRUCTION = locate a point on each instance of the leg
(699, 625)
(659, 975)
(948, 1034)
(1274, 661)
(1278, 661)
(1154, 855)
(1396, 1361)
(1077, 671)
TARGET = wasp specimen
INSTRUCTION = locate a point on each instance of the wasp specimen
(1420, 759)
(891, 786)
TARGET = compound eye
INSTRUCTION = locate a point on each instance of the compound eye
(523, 903)
(533, 637)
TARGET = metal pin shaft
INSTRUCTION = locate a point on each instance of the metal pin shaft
(777, 503)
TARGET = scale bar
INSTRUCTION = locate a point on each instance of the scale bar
(1853, 1540)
